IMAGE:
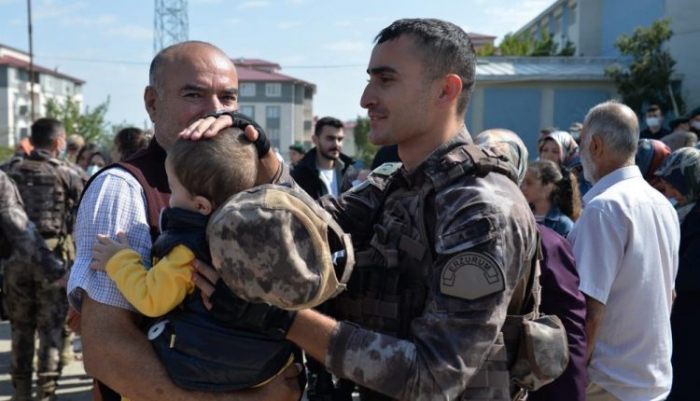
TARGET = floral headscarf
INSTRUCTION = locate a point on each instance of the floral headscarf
(568, 148)
(682, 170)
(650, 154)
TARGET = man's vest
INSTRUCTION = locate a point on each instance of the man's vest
(43, 191)
(388, 289)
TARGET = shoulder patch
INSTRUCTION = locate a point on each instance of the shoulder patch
(386, 169)
(471, 275)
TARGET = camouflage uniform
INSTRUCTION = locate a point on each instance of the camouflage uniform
(34, 303)
(424, 239)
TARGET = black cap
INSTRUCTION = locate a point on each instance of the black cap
(297, 148)
(677, 121)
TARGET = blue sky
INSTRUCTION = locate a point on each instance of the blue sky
(109, 44)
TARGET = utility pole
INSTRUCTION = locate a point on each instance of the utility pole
(31, 60)
(170, 23)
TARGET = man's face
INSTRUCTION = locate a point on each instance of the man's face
(397, 97)
(194, 81)
(329, 143)
(589, 167)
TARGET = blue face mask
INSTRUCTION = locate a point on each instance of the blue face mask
(91, 170)
(62, 153)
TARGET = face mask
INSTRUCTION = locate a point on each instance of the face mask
(696, 124)
(91, 170)
(652, 121)
(62, 153)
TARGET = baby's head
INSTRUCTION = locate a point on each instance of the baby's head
(203, 174)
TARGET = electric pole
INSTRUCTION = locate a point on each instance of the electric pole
(170, 23)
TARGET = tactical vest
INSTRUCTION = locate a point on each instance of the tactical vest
(43, 191)
(389, 286)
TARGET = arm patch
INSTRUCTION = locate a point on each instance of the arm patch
(471, 275)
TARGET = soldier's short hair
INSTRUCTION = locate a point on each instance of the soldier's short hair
(444, 46)
(215, 168)
(45, 131)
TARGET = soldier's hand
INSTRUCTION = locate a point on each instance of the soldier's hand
(105, 248)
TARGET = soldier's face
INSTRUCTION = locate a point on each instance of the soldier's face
(194, 82)
(398, 98)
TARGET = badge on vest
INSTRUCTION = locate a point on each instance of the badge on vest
(471, 275)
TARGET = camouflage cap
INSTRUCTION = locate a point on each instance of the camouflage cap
(271, 244)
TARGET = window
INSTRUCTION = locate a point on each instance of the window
(24, 132)
(557, 25)
(247, 89)
(572, 14)
(67, 88)
(273, 112)
(273, 90)
(248, 111)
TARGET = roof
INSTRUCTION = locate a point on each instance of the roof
(248, 74)
(17, 63)
(474, 35)
(256, 63)
(502, 69)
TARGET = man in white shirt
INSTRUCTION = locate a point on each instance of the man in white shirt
(626, 248)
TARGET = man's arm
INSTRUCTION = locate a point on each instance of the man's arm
(594, 319)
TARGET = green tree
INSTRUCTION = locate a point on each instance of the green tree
(647, 79)
(568, 50)
(544, 46)
(516, 45)
(365, 149)
(90, 124)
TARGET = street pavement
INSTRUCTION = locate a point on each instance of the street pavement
(74, 385)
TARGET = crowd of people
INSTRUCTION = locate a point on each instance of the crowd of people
(198, 265)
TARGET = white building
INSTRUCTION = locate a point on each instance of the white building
(281, 104)
(16, 92)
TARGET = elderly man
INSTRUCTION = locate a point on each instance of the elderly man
(187, 82)
(626, 246)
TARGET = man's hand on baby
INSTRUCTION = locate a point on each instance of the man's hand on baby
(105, 248)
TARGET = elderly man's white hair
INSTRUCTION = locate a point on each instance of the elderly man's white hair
(616, 125)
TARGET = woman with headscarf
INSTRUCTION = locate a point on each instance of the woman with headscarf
(650, 154)
(680, 173)
(561, 148)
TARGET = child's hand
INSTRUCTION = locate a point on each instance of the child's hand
(105, 248)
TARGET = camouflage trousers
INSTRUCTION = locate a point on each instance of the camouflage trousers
(35, 307)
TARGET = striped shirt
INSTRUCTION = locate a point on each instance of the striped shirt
(114, 202)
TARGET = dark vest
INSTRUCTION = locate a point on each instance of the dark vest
(43, 190)
(388, 289)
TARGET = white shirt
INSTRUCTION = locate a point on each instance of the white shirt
(329, 179)
(114, 202)
(626, 248)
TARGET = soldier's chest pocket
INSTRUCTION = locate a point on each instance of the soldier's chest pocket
(400, 234)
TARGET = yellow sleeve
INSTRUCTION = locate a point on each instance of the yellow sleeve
(157, 291)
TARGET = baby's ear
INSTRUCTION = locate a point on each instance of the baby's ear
(203, 205)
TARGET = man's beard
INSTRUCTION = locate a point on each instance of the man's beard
(328, 155)
(589, 169)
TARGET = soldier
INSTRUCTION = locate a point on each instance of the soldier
(50, 190)
(442, 240)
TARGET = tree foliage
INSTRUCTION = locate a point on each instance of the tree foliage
(524, 45)
(365, 149)
(91, 124)
(647, 79)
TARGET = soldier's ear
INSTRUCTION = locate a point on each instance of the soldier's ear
(203, 205)
(451, 89)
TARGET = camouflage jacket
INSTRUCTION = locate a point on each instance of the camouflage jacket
(20, 239)
(481, 224)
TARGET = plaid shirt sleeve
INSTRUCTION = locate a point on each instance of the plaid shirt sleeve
(114, 202)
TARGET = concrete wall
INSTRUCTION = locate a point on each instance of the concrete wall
(590, 28)
(685, 46)
(622, 17)
(527, 107)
